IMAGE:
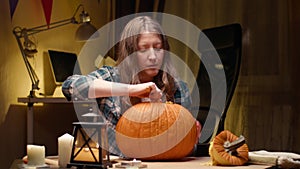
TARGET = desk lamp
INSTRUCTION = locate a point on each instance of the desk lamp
(84, 32)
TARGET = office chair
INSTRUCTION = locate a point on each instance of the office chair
(220, 75)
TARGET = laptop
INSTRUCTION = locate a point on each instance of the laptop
(63, 64)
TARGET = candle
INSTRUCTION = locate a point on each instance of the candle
(65, 143)
(133, 163)
(86, 155)
(36, 155)
(136, 162)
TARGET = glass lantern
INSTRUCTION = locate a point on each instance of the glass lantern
(90, 146)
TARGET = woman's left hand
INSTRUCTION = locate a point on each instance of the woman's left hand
(147, 91)
(155, 94)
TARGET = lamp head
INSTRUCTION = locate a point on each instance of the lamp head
(86, 30)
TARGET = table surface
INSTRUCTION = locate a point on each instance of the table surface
(187, 163)
(194, 163)
(49, 99)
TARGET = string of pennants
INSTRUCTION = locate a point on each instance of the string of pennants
(47, 7)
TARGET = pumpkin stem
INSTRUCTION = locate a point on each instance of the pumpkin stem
(231, 147)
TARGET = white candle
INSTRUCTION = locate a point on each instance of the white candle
(36, 155)
(65, 143)
(133, 163)
(136, 162)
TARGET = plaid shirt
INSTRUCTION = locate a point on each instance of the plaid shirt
(76, 87)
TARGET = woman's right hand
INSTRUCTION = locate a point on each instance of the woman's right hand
(146, 90)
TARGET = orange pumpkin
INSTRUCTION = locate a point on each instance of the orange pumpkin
(156, 131)
(228, 149)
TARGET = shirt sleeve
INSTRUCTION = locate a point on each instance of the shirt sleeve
(76, 87)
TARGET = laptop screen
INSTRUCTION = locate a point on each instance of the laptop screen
(63, 65)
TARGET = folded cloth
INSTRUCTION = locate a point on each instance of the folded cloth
(282, 159)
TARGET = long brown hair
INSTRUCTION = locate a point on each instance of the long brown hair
(127, 62)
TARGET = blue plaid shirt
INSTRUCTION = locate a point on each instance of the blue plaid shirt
(76, 87)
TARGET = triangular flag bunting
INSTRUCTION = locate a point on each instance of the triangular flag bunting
(12, 6)
(47, 6)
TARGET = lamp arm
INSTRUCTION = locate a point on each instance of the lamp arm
(33, 76)
(23, 33)
(37, 29)
(31, 31)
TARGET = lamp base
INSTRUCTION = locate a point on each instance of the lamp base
(32, 94)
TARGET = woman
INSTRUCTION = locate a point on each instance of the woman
(143, 72)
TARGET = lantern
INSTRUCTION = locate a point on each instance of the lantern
(90, 145)
(156, 131)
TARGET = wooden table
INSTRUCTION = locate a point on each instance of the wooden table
(194, 163)
(187, 163)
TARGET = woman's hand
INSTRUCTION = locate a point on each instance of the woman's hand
(102, 88)
(146, 90)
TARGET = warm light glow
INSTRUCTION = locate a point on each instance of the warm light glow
(86, 155)
(28, 47)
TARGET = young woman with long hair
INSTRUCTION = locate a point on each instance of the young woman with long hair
(144, 72)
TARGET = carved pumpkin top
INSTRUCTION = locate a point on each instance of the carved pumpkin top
(228, 149)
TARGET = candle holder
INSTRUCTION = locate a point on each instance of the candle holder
(90, 146)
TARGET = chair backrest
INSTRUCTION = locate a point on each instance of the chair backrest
(226, 43)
